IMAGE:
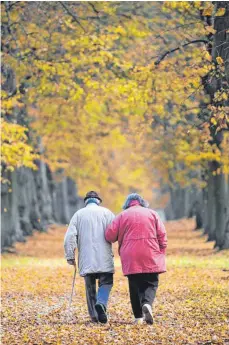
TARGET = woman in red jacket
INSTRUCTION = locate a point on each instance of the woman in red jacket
(142, 241)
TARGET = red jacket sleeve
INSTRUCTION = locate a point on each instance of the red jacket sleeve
(112, 231)
(161, 234)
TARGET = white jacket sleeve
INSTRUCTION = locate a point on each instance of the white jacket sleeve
(110, 217)
(70, 239)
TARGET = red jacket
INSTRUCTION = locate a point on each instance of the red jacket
(142, 239)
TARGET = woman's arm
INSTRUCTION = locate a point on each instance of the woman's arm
(161, 234)
(112, 231)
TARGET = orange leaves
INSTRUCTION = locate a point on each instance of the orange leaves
(220, 12)
(208, 10)
(210, 29)
(105, 112)
(219, 60)
(36, 283)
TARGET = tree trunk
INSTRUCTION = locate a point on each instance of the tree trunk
(221, 210)
(29, 202)
(211, 222)
(217, 82)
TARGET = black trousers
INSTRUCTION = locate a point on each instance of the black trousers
(142, 288)
(105, 282)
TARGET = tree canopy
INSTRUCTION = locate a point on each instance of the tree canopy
(118, 92)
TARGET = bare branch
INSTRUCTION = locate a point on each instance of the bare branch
(178, 48)
(93, 7)
(12, 4)
(74, 17)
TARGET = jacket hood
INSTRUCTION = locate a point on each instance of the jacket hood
(130, 201)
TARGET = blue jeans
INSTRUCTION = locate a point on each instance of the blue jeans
(105, 281)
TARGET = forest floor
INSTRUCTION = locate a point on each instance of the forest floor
(192, 304)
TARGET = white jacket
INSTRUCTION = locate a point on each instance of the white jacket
(86, 231)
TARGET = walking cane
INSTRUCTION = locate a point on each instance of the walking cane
(73, 285)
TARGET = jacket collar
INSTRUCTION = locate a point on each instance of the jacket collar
(91, 204)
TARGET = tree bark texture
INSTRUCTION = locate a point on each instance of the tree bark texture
(33, 200)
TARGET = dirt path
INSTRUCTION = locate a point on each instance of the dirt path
(191, 306)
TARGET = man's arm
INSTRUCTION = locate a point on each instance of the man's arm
(70, 241)
(110, 217)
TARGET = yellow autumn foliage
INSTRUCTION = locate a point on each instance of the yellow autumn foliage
(187, 309)
(15, 149)
(107, 113)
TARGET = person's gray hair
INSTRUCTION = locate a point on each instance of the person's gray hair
(135, 196)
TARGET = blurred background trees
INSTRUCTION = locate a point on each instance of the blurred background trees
(122, 96)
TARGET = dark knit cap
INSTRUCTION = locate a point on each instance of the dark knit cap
(92, 194)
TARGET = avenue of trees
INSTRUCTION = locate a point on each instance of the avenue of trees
(122, 96)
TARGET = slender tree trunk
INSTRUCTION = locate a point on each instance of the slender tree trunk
(221, 210)
(205, 209)
(211, 222)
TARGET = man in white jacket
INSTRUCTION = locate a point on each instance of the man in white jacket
(95, 258)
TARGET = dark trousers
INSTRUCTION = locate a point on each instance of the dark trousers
(142, 288)
(105, 281)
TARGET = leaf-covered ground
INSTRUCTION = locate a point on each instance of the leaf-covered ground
(192, 305)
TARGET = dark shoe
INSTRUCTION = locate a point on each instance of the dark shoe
(101, 311)
(94, 320)
(148, 315)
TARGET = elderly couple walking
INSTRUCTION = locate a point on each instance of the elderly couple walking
(142, 242)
